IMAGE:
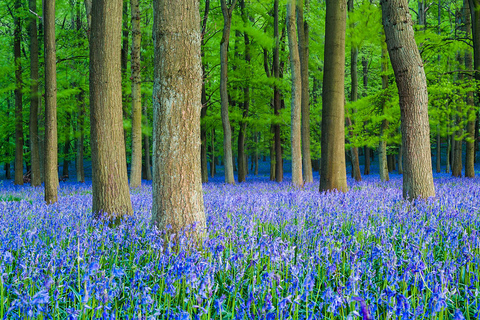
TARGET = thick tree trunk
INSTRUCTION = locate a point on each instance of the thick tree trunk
(227, 130)
(111, 195)
(277, 105)
(51, 153)
(412, 90)
(333, 172)
(124, 62)
(296, 100)
(303, 43)
(470, 152)
(34, 96)
(177, 181)
(136, 165)
(18, 95)
(382, 147)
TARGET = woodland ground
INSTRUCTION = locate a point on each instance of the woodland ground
(272, 252)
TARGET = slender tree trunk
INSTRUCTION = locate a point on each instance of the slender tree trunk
(449, 148)
(242, 163)
(146, 142)
(278, 175)
(136, 165)
(470, 152)
(212, 152)
(439, 151)
(333, 172)
(382, 147)
(412, 90)
(400, 158)
(203, 113)
(353, 97)
(7, 171)
(303, 43)
(124, 62)
(256, 154)
(51, 153)
(18, 95)
(34, 148)
(227, 130)
(177, 183)
(66, 146)
(111, 196)
(273, 160)
(80, 140)
(366, 151)
(296, 101)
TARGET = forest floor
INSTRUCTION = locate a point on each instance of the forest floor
(272, 252)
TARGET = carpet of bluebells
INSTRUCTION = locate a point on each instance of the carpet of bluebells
(272, 252)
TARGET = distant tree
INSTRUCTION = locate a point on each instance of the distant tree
(333, 172)
(177, 181)
(136, 165)
(303, 43)
(34, 96)
(412, 90)
(17, 39)
(227, 130)
(111, 196)
(382, 146)
(296, 101)
(51, 153)
(278, 172)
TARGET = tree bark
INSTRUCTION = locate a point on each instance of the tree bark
(111, 196)
(412, 90)
(333, 172)
(51, 153)
(79, 166)
(124, 62)
(17, 34)
(296, 100)
(382, 147)
(227, 130)
(213, 159)
(177, 181)
(470, 152)
(278, 174)
(136, 165)
(242, 163)
(457, 150)
(439, 151)
(66, 146)
(203, 113)
(34, 96)
(146, 142)
(353, 97)
(303, 50)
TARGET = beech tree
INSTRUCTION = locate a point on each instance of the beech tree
(296, 101)
(34, 96)
(177, 181)
(51, 139)
(17, 34)
(333, 173)
(412, 91)
(111, 195)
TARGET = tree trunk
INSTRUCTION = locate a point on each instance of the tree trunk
(439, 151)
(273, 160)
(111, 195)
(382, 147)
(366, 152)
(7, 171)
(400, 158)
(412, 90)
(66, 146)
(227, 130)
(212, 158)
(242, 163)
(296, 100)
(470, 152)
(449, 148)
(80, 141)
(177, 181)
(34, 96)
(333, 172)
(303, 43)
(278, 175)
(51, 153)
(353, 97)
(124, 62)
(136, 165)
(203, 113)
(18, 95)
(146, 142)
